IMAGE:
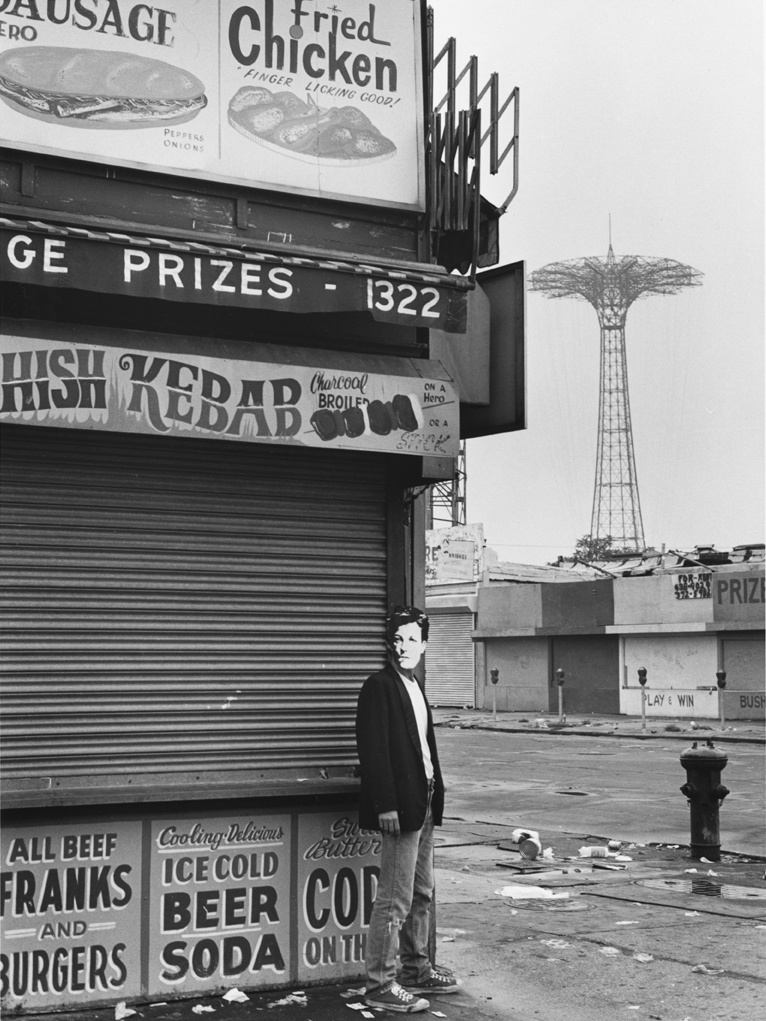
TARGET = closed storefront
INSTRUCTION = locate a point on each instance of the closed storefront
(451, 671)
(591, 673)
(220, 416)
(184, 606)
(742, 657)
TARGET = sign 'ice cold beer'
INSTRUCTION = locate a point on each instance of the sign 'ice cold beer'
(228, 901)
(338, 871)
(283, 94)
(54, 383)
(71, 913)
(220, 903)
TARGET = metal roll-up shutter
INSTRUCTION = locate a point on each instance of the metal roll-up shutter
(184, 607)
(450, 660)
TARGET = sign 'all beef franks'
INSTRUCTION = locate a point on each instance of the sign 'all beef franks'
(85, 386)
(70, 913)
(293, 96)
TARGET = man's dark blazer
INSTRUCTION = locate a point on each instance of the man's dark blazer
(388, 744)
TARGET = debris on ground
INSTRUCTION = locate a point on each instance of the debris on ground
(298, 997)
(236, 996)
(530, 893)
(702, 969)
(122, 1010)
(593, 852)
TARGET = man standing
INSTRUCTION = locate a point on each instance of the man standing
(402, 795)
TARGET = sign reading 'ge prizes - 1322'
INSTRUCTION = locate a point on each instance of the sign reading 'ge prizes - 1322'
(292, 95)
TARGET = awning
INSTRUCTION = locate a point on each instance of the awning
(111, 262)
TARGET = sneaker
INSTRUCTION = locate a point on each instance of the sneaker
(397, 999)
(437, 982)
(439, 969)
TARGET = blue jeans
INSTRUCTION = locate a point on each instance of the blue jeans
(400, 916)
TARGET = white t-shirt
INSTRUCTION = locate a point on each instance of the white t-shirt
(421, 717)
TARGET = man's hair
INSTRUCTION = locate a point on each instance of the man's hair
(406, 615)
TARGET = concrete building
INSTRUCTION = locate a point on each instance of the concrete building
(681, 623)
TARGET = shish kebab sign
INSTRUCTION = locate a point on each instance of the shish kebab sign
(58, 383)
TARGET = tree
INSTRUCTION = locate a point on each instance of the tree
(590, 547)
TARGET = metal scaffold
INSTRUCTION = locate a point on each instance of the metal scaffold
(611, 285)
(446, 500)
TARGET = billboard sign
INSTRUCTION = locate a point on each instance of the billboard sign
(86, 386)
(290, 95)
(454, 554)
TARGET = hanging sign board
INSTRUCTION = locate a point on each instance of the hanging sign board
(296, 96)
(209, 275)
(85, 386)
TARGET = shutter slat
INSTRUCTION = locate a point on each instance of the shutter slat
(450, 660)
(179, 605)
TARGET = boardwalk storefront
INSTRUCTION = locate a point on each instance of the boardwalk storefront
(219, 417)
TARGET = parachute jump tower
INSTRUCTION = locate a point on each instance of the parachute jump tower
(611, 286)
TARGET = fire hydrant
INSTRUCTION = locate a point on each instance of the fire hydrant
(705, 794)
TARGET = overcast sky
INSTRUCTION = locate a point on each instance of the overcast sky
(651, 111)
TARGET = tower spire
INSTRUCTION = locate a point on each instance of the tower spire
(611, 286)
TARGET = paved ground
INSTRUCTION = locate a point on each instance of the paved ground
(585, 956)
(652, 941)
(748, 731)
(626, 788)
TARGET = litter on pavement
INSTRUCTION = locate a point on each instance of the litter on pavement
(298, 997)
(702, 969)
(529, 893)
(236, 996)
(122, 1010)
